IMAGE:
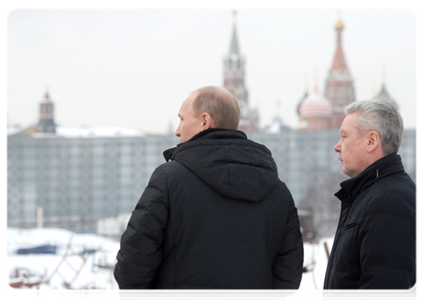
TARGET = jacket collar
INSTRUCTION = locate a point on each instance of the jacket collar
(212, 133)
(381, 168)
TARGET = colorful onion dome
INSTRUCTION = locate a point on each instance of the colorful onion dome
(315, 106)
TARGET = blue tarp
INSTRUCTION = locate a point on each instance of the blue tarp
(44, 249)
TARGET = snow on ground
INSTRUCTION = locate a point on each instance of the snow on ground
(72, 268)
(82, 261)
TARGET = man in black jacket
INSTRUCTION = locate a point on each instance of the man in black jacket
(216, 214)
(375, 243)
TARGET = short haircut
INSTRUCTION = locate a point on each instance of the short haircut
(382, 117)
(220, 104)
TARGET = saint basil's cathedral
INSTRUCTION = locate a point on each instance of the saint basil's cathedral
(315, 110)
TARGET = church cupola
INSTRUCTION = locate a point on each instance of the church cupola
(46, 122)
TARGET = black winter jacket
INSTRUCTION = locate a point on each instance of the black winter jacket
(215, 216)
(375, 243)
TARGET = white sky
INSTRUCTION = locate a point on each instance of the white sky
(134, 67)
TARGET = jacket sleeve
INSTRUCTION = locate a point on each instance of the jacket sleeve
(140, 251)
(387, 247)
(288, 265)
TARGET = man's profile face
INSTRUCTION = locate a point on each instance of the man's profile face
(352, 147)
(189, 125)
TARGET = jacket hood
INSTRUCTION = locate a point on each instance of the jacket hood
(229, 163)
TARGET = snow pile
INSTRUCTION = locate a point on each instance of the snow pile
(86, 261)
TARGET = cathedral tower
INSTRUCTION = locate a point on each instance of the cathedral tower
(339, 83)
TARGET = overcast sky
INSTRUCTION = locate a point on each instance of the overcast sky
(134, 67)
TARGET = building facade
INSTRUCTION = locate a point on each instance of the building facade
(80, 176)
(80, 180)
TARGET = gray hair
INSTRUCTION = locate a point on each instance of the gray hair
(382, 117)
(220, 104)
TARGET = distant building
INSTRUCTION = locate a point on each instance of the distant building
(339, 92)
(383, 93)
(46, 122)
(339, 88)
(234, 81)
(86, 178)
(89, 179)
(316, 110)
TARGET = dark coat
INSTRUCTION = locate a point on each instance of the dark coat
(215, 216)
(375, 243)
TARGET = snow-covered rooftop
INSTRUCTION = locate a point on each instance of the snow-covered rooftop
(13, 130)
(84, 131)
(105, 131)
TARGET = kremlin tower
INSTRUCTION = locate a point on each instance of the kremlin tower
(339, 83)
(234, 81)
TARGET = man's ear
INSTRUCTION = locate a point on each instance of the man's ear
(208, 121)
(373, 141)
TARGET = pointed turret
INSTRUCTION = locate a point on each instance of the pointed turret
(234, 46)
(234, 81)
(46, 123)
(303, 97)
(383, 93)
(339, 64)
(339, 84)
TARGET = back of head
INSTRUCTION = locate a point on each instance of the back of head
(382, 117)
(220, 104)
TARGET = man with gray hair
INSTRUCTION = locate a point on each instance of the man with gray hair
(216, 215)
(375, 243)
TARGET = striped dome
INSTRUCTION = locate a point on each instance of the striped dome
(315, 106)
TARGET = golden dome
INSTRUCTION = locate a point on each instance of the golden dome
(339, 24)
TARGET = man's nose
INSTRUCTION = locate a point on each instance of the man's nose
(337, 147)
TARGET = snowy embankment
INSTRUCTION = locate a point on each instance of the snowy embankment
(86, 261)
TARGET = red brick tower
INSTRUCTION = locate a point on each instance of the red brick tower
(339, 88)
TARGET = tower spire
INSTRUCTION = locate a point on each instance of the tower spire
(383, 74)
(339, 62)
(339, 84)
(316, 81)
(306, 83)
(234, 81)
(234, 46)
(383, 93)
(47, 95)
(46, 122)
